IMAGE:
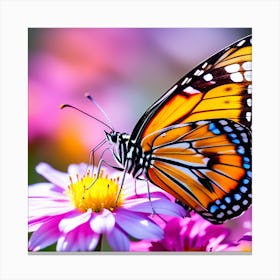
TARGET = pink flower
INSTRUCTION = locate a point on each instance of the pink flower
(244, 244)
(192, 234)
(75, 214)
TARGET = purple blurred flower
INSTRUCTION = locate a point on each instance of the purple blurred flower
(64, 211)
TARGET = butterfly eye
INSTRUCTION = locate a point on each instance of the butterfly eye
(111, 137)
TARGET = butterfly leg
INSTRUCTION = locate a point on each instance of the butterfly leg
(122, 181)
(149, 194)
(101, 163)
(151, 203)
(91, 155)
(149, 197)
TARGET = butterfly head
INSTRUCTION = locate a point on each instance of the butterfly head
(112, 137)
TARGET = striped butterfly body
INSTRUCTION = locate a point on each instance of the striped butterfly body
(195, 141)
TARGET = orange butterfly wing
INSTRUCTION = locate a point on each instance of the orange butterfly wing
(208, 171)
(200, 162)
(218, 88)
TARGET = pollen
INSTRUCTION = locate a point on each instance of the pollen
(90, 192)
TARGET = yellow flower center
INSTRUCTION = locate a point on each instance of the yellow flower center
(96, 194)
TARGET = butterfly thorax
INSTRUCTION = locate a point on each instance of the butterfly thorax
(128, 153)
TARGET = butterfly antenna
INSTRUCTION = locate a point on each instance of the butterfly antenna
(88, 96)
(85, 113)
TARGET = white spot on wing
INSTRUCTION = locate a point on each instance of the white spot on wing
(247, 65)
(248, 116)
(220, 215)
(186, 80)
(236, 77)
(241, 43)
(223, 122)
(232, 68)
(249, 89)
(249, 102)
(204, 65)
(198, 72)
(248, 75)
(235, 208)
(244, 137)
(245, 202)
(191, 90)
(201, 72)
(201, 122)
(208, 77)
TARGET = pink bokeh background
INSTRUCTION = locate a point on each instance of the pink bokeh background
(125, 69)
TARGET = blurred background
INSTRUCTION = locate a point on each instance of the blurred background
(124, 69)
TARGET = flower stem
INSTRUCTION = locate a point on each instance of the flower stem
(99, 245)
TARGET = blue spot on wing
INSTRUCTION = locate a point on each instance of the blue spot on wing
(235, 141)
(237, 196)
(241, 150)
(246, 159)
(246, 181)
(213, 208)
(214, 129)
(222, 206)
(227, 129)
(243, 189)
(232, 135)
(227, 199)
(218, 201)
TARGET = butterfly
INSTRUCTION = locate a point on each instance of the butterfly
(194, 142)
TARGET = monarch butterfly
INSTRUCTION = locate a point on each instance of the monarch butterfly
(195, 141)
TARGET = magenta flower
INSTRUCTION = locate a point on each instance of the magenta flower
(244, 244)
(66, 212)
(192, 234)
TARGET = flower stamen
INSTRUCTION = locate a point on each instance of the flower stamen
(101, 194)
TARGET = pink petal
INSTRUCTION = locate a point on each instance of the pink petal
(78, 169)
(87, 239)
(140, 246)
(54, 176)
(39, 207)
(34, 222)
(138, 225)
(46, 235)
(81, 238)
(103, 222)
(73, 220)
(174, 240)
(46, 190)
(214, 242)
(161, 206)
(118, 240)
(67, 243)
